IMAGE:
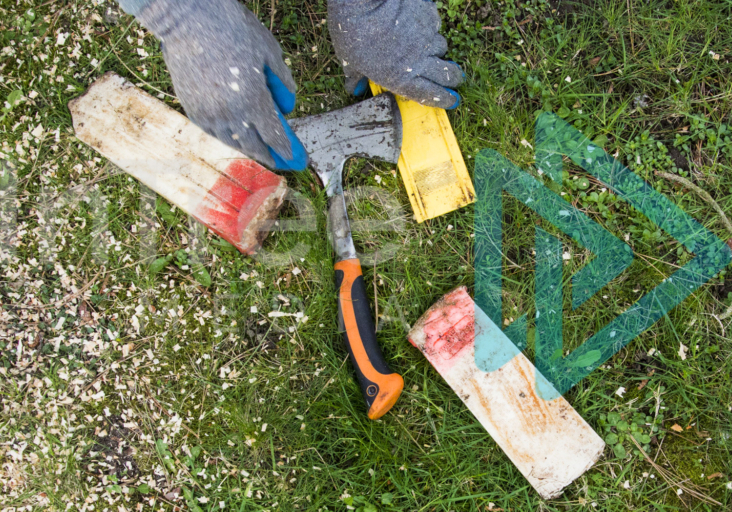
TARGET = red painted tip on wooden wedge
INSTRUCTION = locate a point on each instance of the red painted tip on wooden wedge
(234, 196)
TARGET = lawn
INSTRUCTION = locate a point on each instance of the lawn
(220, 381)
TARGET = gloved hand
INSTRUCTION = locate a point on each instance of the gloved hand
(396, 44)
(228, 73)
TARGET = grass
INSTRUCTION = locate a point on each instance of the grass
(211, 403)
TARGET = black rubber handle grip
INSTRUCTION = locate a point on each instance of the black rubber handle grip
(380, 386)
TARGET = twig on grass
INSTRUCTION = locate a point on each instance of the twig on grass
(376, 295)
(409, 434)
(702, 193)
(160, 406)
(147, 84)
(99, 65)
(132, 354)
(630, 27)
(323, 388)
(726, 314)
(138, 345)
(57, 304)
(50, 26)
(711, 202)
(670, 478)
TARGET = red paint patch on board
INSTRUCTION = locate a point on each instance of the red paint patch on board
(449, 330)
(235, 200)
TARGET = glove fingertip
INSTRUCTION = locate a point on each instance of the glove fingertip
(457, 66)
(357, 84)
(282, 96)
(299, 159)
(298, 162)
(457, 97)
(361, 87)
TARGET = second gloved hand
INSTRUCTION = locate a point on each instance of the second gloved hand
(396, 44)
(228, 73)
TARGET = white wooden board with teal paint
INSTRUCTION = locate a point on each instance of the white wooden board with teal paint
(548, 441)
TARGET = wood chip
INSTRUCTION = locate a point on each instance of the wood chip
(528, 19)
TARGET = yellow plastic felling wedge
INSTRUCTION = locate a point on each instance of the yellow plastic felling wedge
(431, 163)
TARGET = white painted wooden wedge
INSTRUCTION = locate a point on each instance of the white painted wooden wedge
(548, 441)
(232, 195)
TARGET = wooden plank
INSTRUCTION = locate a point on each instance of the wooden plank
(232, 195)
(548, 441)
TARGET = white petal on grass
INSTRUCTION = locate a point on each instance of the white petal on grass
(620, 391)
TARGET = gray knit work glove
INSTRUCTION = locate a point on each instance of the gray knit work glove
(396, 44)
(228, 73)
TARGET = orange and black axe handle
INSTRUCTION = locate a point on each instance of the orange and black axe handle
(380, 386)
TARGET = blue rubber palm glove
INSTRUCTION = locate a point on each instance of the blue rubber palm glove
(228, 74)
(396, 44)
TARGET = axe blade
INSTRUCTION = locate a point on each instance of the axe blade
(368, 129)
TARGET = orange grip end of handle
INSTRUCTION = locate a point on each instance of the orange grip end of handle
(390, 388)
(384, 386)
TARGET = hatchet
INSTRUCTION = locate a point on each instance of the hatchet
(238, 199)
(369, 129)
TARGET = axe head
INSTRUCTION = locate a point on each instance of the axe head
(369, 129)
